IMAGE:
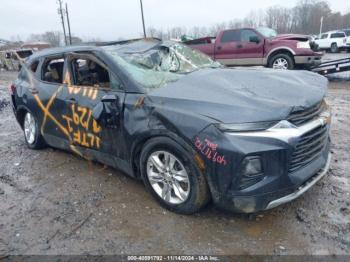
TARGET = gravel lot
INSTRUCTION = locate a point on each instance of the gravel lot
(53, 202)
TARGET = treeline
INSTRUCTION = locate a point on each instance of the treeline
(55, 38)
(303, 18)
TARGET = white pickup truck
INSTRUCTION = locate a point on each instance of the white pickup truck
(333, 41)
(347, 33)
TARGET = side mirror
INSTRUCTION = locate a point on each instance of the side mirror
(254, 39)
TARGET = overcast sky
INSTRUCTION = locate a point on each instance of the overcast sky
(112, 19)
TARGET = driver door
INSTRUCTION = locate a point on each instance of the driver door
(88, 81)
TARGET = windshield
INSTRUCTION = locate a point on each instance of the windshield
(161, 64)
(267, 32)
(347, 32)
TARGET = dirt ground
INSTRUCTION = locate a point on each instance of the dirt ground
(53, 202)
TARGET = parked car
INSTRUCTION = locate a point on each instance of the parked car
(261, 46)
(191, 129)
(347, 33)
(12, 59)
(332, 41)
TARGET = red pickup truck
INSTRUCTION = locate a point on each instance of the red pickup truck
(261, 46)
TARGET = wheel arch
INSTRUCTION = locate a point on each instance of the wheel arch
(282, 50)
(139, 144)
(20, 113)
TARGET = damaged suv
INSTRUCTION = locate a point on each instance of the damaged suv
(192, 130)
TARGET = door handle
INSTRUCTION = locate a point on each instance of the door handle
(239, 46)
(218, 48)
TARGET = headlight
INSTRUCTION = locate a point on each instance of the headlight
(303, 45)
(245, 127)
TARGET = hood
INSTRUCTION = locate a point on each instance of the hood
(294, 37)
(242, 95)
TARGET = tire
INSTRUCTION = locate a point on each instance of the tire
(32, 135)
(194, 190)
(334, 48)
(277, 60)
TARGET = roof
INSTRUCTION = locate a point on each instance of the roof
(135, 45)
(59, 50)
(333, 31)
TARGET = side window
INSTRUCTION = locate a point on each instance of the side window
(34, 66)
(230, 36)
(324, 36)
(246, 34)
(52, 70)
(86, 72)
(337, 35)
(116, 84)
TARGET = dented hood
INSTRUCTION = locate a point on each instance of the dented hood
(295, 37)
(242, 95)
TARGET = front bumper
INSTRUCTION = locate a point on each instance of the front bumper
(281, 182)
(303, 188)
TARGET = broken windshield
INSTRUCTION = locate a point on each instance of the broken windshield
(161, 64)
(267, 32)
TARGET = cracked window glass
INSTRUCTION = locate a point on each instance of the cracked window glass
(162, 64)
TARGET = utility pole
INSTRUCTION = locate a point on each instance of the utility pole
(143, 20)
(321, 25)
(60, 12)
(70, 35)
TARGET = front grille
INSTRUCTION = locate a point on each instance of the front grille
(303, 116)
(309, 147)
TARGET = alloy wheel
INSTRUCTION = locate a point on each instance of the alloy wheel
(168, 177)
(29, 128)
(280, 63)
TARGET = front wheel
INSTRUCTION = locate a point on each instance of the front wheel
(32, 134)
(334, 48)
(171, 176)
(281, 61)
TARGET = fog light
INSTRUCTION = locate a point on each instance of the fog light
(250, 172)
(251, 166)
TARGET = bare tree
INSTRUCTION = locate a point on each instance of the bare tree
(52, 37)
(303, 18)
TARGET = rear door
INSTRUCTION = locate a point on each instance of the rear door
(338, 38)
(250, 48)
(227, 46)
(88, 81)
(46, 87)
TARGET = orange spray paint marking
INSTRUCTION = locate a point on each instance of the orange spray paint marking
(45, 110)
(49, 104)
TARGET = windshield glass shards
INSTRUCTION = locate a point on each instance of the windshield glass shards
(161, 64)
